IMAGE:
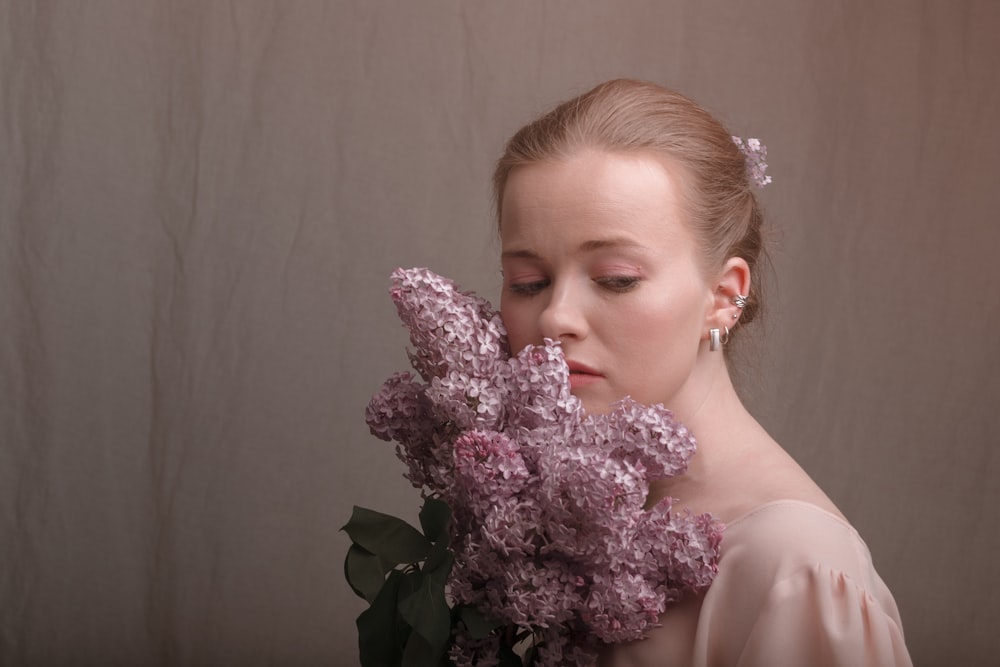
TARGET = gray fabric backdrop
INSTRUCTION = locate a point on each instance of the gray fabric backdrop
(200, 203)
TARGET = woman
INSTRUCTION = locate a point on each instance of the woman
(630, 232)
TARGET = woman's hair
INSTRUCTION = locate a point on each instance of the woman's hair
(634, 116)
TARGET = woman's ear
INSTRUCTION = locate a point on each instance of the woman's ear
(732, 282)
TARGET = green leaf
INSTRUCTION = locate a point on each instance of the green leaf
(381, 635)
(411, 581)
(365, 572)
(434, 518)
(478, 625)
(437, 556)
(426, 609)
(393, 539)
(418, 653)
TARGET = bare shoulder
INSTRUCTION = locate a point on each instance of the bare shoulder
(765, 474)
(739, 467)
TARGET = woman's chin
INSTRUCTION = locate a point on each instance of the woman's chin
(595, 403)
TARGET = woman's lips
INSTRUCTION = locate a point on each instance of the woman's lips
(581, 375)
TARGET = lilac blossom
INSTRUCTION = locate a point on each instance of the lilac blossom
(550, 531)
(755, 155)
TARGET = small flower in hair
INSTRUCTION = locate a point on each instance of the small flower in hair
(755, 153)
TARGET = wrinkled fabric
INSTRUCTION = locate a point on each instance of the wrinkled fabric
(201, 202)
(796, 586)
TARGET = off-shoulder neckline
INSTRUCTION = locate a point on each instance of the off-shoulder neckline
(805, 504)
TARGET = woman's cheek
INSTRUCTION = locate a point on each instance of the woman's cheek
(527, 325)
(512, 321)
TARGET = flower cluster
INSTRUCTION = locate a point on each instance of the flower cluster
(756, 155)
(550, 533)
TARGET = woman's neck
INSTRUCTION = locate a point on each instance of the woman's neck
(726, 433)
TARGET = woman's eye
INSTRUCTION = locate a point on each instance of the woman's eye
(618, 283)
(528, 289)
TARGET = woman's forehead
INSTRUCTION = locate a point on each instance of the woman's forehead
(599, 199)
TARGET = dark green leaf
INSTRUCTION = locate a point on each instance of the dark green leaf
(434, 518)
(365, 572)
(478, 625)
(418, 653)
(436, 557)
(426, 609)
(381, 635)
(409, 584)
(393, 539)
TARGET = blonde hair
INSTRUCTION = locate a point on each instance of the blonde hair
(624, 115)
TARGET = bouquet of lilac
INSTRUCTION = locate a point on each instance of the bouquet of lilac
(537, 545)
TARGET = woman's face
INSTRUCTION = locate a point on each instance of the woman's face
(595, 254)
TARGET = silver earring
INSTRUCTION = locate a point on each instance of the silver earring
(741, 300)
(725, 337)
(714, 341)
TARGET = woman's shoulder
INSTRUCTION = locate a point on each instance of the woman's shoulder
(797, 580)
(780, 537)
(763, 483)
(793, 545)
(795, 586)
(791, 518)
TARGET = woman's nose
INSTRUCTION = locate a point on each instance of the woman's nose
(563, 316)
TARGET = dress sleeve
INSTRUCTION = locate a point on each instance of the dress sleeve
(821, 616)
(796, 588)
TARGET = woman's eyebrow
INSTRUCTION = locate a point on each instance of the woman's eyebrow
(613, 242)
(520, 254)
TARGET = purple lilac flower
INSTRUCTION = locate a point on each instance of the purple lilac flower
(448, 328)
(488, 467)
(549, 529)
(755, 154)
(557, 649)
(469, 652)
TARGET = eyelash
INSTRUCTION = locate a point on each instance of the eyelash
(529, 289)
(619, 284)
